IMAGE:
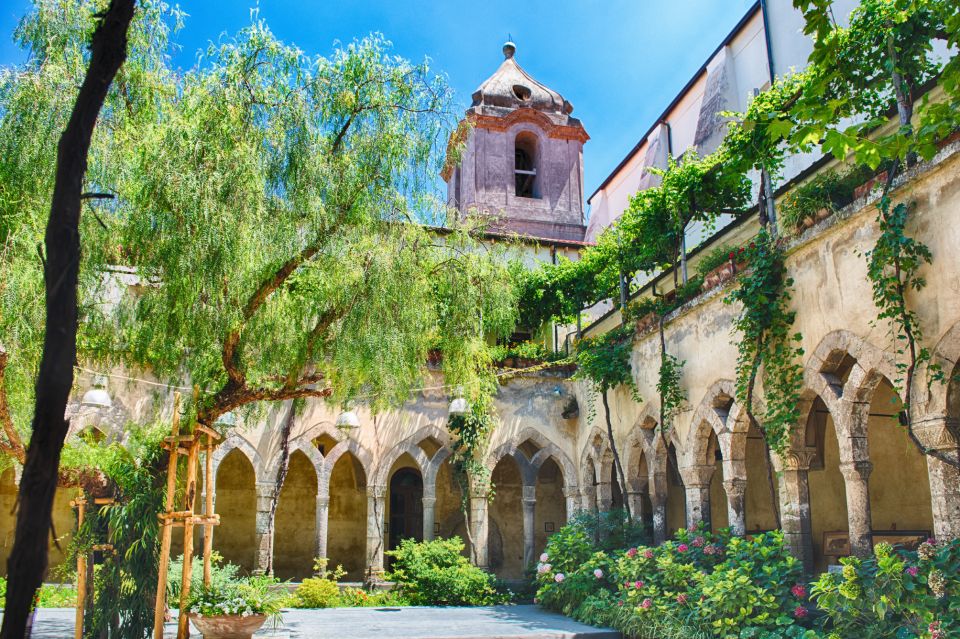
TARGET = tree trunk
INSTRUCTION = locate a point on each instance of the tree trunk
(281, 476)
(621, 478)
(28, 558)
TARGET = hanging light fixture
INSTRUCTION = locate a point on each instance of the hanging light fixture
(347, 419)
(459, 406)
(97, 396)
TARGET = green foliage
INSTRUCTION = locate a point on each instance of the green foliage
(317, 592)
(530, 350)
(697, 585)
(765, 338)
(881, 60)
(830, 190)
(435, 573)
(222, 573)
(895, 593)
(715, 258)
(672, 396)
(250, 596)
(604, 360)
(136, 471)
(49, 595)
(893, 270)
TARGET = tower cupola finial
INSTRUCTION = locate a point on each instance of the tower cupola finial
(509, 48)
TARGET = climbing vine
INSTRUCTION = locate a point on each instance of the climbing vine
(604, 361)
(766, 339)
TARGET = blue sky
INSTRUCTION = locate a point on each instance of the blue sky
(619, 62)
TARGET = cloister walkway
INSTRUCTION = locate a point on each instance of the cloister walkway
(499, 622)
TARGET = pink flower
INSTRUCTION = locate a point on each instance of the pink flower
(558, 577)
(544, 558)
(912, 571)
(648, 554)
(710, 549)
(681, 599)
(799, 591)
(698, 542)
(800, 612)
(638, 584)
(620, 602)
(646, 604)
(598, 573)
(935, 631)
(683, 548)
(632, 552)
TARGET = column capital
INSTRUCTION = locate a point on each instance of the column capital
(697, 476)
(799, 459)
(856, 470)
(428, 500)
(938, 433)
(323, 501)
(530, 493)
(735, 487)
(376, 491)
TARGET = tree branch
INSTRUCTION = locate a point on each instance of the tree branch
(14, 445)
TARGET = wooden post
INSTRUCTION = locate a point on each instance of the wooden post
(166, 526)
(183, 623)
(208, 513)
(81, 504)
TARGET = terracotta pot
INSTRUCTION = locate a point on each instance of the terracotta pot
(227, 626)
(824, 213)
(808, 221)
(868, 186)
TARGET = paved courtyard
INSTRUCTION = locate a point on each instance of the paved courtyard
(500, 622)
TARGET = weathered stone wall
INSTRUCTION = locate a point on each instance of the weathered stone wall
(871, 468)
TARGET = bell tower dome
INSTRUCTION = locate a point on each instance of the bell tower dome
(522, 165)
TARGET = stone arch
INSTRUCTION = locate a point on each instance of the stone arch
(309, 450)
(946, 354)
(407, 446)
(361, 454)
(235, 441)
(509, 449)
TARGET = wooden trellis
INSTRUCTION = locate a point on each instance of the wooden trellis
(187, 446)
(85, 560)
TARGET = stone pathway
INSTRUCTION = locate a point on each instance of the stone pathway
(497, 622)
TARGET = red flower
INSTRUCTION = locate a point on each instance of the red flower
(800, 612)
(681, 599)
(646, 604)
(648, 553)
(683, 548)
(732, 255)
(799, 591)
(632, 552)
(638, 584)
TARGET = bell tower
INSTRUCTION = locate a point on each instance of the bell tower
(522, 165)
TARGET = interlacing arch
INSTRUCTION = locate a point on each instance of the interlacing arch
(428, 466)
(530, 465)
(719, 413)
(946, 355)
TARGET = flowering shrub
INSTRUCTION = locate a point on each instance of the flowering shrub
(698, 584)
(252, 596)
(895, 593)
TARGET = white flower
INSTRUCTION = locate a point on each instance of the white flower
(598, 573)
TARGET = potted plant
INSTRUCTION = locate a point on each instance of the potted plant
(235, 610)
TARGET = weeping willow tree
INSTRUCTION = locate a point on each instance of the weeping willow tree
(268, 207)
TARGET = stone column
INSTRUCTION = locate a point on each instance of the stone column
(212, 487)
(736, 491)
(635, 500)
(604, 496)
(795, 506)
(856, 475)
(658, 499)
(529, 521)
(429, 515)
(376, 541)
(323, 519)
(572, 498)
(696, 482)
(480, 526)
(937, 434)
(263, 533)
(588, 499)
